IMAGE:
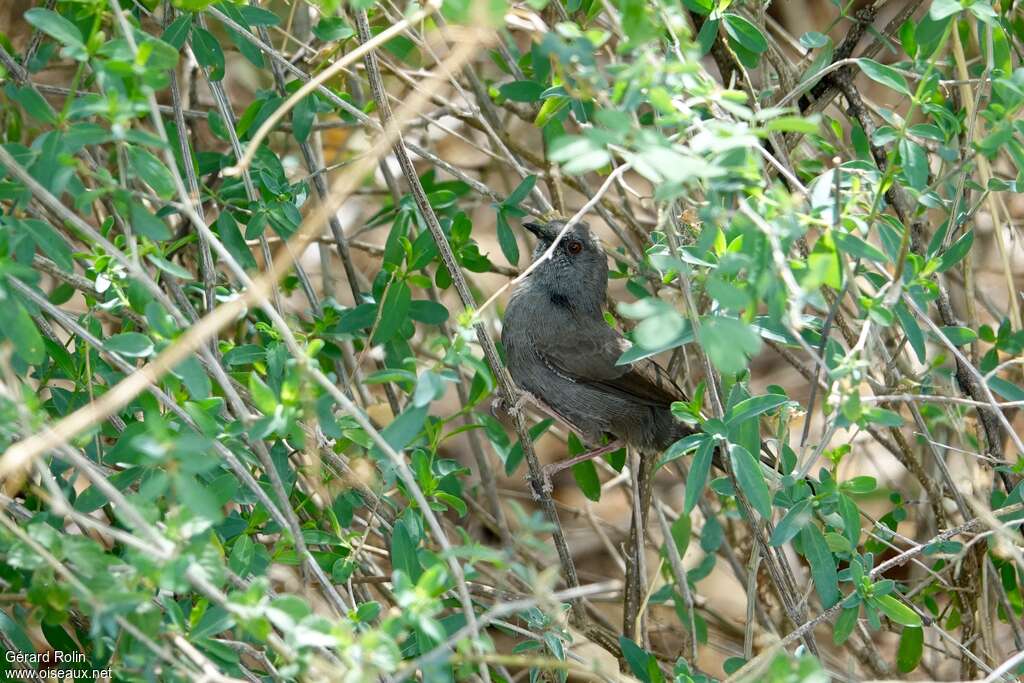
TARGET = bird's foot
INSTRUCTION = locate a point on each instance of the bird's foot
(497, 407)
(546, 487)
(549, 471)
(519, 405)
(515, 409)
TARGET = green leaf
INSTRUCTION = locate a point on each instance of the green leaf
(928, 131)
(196, 498)
(429, 387)
(823, 264)
(744, 33)
(393, 311)
(17, 325)
(34, 103)
(171, 269)
(208, 52)
(251, 53)
(958, 336)
(367, 612)
(550, 110)
(861, 485)
(232, 238)
(660, 330)
(754, 406)
(131, 344)
(823, 565)
(701, 7)
(522, 91)
(915, 163)
(636, 20)
(1008, 390)
(93, 498)
(177, 31)
(507, 239)
(751, 480)
(679, 449)
(707, 35)
(191, 372)
(641, 662)
(303, 117)
(790, 525)
(896, 610)
(48, 241)
(956, 251)
(578, 154)
(944, 547)
(838, 543)
(680, 531)
(522, 190)
(984, 11)
(813, 40)
(823, 572)
(216, 619)
(795, 124)
(405, 427)
(911, 648)
(330, 29)
(245, 354)
(454, 502)
(882, 416)
(913, 331)
(151, 171)
(55, 26)
(638, 352)
(242, 555)
(941, 9)
(403, 553)
(585, 474)
(56, 636)
(515, 454)
(428, 312)
(886, 75)
(262, 395)
(145, 223)
(728, 342)
(845, 624)
(192, 5)
(257, 16)
(849, 243)
(698, 475)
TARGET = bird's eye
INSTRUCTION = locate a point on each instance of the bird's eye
(574, 247)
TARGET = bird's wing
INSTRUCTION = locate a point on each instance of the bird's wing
(590, 356)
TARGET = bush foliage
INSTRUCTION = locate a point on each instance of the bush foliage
(223, 460)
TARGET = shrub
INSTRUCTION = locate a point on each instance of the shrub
(239, 441)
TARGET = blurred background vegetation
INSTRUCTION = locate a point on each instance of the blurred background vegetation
(248, 375)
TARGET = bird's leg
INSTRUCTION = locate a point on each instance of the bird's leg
(556, 467)
(522, 399)
(499, 405)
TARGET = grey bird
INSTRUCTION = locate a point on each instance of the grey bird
(560, 351)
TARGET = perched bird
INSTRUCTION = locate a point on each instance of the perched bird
(560, 350)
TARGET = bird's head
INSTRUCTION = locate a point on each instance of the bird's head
(576, 274)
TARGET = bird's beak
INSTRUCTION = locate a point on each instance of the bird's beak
(540, 230)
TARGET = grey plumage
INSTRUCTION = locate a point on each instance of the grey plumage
(560, 349)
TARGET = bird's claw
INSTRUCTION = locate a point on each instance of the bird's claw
(546, 487)
(497, 407)
(516, 409)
